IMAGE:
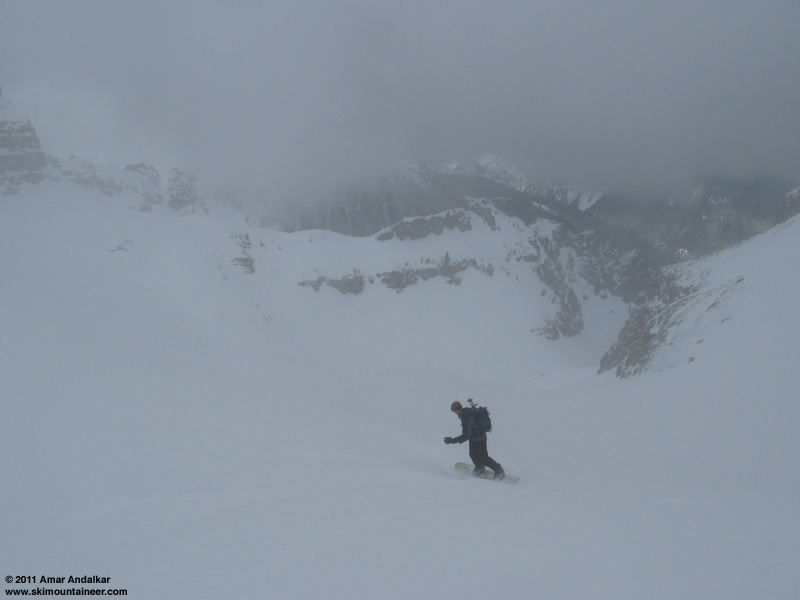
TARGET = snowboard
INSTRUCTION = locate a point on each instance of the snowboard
(487, 474)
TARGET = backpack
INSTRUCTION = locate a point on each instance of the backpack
(481, 414)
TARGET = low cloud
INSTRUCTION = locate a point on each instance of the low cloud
(277, 98)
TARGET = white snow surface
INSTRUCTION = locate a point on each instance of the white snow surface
(194, 431)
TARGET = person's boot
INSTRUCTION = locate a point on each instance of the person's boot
(477, 471)
(499, 473)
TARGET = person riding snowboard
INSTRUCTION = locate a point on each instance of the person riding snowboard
(477, 441)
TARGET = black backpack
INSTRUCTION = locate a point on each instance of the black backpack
(482, 418)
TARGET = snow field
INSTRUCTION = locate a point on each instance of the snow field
(193, 431)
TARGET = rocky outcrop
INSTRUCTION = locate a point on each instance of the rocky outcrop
(402, 277)
(182, 195)
(399, 279)
(82, 172)
(649, 326)
(415, 229)
(349, 284)
(21, 157)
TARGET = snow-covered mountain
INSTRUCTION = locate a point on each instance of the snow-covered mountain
(197, 405)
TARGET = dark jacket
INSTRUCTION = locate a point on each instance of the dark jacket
(469, 428)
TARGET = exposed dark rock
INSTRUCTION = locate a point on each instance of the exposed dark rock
(149, 187)
(21, 157)
(349, 284)
(415, 229)
(182, 195)
(400, 279)
(647, 327)
(84, 173)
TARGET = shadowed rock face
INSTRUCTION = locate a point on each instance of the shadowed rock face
(21, 156)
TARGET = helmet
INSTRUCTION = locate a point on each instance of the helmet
(455, 406)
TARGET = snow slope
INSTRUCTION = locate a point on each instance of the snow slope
(195, 431)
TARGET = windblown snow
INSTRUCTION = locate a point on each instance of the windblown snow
(183, 416)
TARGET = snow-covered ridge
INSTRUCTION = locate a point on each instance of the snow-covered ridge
(722, 212)
(23, 161)
(415, 188)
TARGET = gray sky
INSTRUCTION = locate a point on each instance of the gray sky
(624, 94)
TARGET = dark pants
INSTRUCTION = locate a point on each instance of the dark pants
(480, 455)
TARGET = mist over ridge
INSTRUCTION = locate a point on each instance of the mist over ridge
(281, 102)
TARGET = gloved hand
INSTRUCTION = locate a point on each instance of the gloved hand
(449, 440)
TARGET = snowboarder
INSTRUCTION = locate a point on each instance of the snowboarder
(477, 441)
